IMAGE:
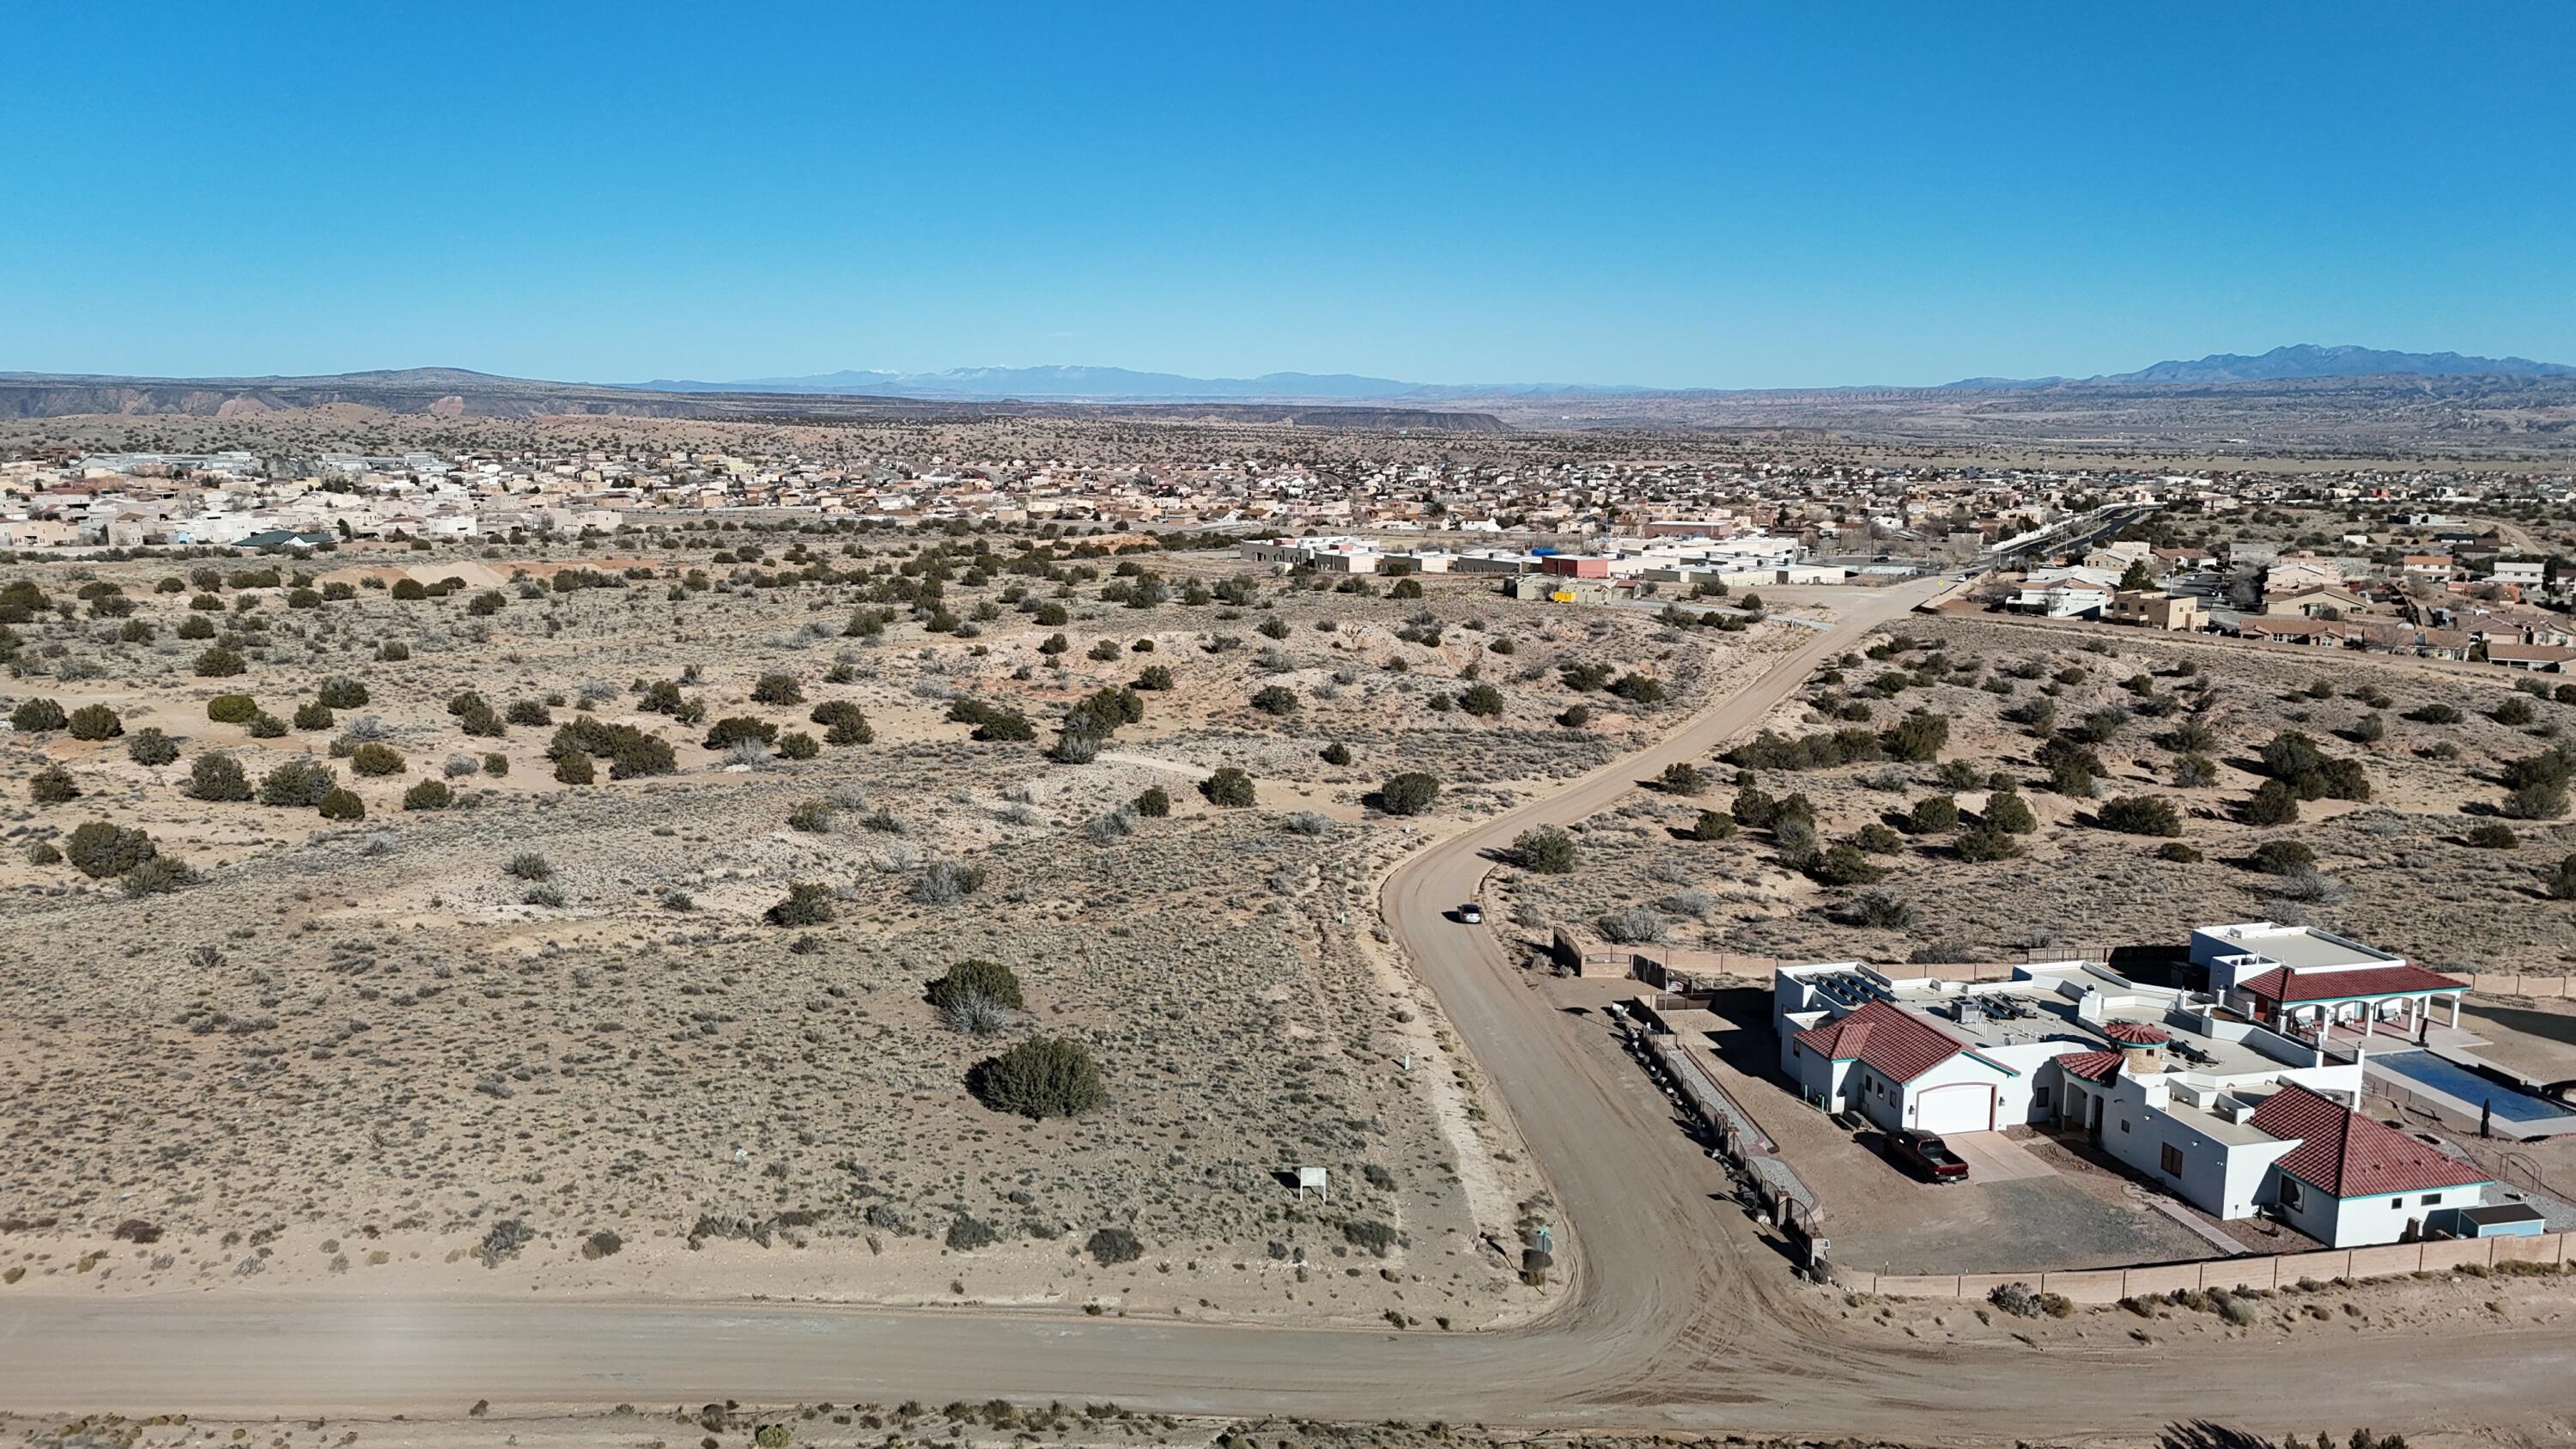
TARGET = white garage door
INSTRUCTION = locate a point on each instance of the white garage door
(1963, 1107)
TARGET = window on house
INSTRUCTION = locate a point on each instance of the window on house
(2290, 1193)
(2431, 1198)
(2170, 1159)
(2397, 1202)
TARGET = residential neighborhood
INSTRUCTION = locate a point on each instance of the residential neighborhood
(2387, 563)
(1288, 727)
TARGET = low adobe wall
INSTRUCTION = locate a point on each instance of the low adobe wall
(2110, 1285)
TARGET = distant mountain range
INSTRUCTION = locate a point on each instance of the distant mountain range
(2293, 400)
(38, 394)
(458, 393)
(2301, 397)
(2303, 360)
(1119, 384)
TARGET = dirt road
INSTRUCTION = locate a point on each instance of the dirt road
(1680, 1316)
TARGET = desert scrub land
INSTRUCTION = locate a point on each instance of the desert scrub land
(1000, 1424)
(574, 926)
(2090, 791)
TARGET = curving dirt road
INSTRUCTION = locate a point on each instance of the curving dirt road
(1679, 1315)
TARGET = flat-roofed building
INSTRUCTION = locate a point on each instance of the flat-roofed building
(2188, 1093)
(2155, 609)
(2311, 984)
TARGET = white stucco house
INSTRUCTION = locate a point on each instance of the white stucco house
(2316, 985)
(2348, 1180)
(1899, 1071)
(2073, 592)
(2179, 1086)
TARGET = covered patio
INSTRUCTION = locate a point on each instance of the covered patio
(2403, 1003)
(2372, 1034)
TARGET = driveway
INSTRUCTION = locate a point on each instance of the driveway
(1994, 1157)
(2016, 1212)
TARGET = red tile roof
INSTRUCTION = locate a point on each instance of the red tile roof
(2344, 1154)
(1893, 1043)
(2137, 1033)
(2282, 984)
(2091, 1066)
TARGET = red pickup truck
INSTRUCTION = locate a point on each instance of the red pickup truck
(1929, 1157)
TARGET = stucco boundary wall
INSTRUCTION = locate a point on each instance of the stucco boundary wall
(2517, 983)
(1671, 968)
(2110, 1285)
(2544, 985)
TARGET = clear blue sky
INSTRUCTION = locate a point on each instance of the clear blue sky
(1702, 195)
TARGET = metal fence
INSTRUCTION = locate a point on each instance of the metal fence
(1739, 1137)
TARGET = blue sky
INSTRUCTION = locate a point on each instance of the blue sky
(1699, 195)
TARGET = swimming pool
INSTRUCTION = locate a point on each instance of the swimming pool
(2458, 1081)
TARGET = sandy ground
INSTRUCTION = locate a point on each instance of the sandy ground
(2398, 870)
(371, 1060)
(980, 1426)
(2535, 1038)
(1709, 1339)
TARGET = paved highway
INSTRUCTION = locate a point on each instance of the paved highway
(1678, 1315)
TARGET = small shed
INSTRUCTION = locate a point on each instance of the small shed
(2490, 1220)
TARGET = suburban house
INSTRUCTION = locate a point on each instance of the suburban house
(2073, 576)
(2317, 601)
(2296, 629)
(2295, 575)
(2428, 643)
(2348, 1180)
(2490, 624)
(2543, 658)
(2074, 592)
(2118, 555)
(38, 533)
(300, 541)
(2191, 1135)
(2178, 1085)
(2251, 1137)
(2313, 984)
(1898, 1070)
(2064, 601)
(2155, 609)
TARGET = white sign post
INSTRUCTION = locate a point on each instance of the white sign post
(1314, 1177)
